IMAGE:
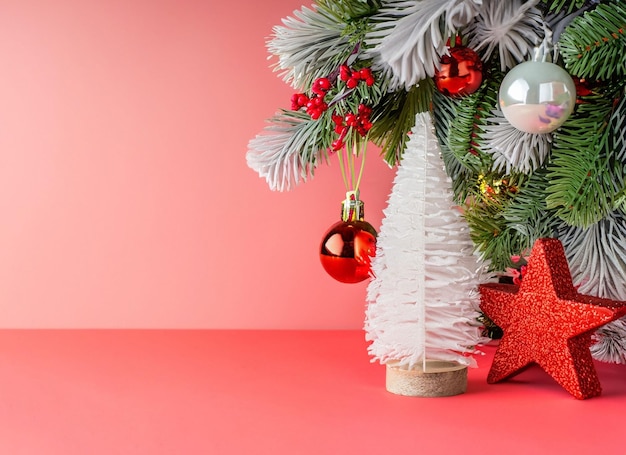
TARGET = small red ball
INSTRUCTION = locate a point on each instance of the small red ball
(460, 73)
(347, 249)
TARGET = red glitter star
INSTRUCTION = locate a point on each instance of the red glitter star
(547, 322)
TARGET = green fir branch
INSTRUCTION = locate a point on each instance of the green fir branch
(620, 201)
(444, 113)
(394, 116)
(616, 153)
(460, 124)
(470, 114)
(582, 187)
(528, 214)
(564, 5)
(348, 10)
(461, 129)
(592, 46)
(617, 125)
(495, 241)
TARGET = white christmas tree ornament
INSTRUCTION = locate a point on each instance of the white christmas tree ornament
(421, 317)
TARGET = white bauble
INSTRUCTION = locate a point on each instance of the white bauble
(537, 97)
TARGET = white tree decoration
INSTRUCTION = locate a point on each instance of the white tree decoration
(422, 300)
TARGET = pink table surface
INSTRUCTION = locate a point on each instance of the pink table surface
(273, 392)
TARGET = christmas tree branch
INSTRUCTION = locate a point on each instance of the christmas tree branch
(592, 46)
(394, 116)
(528, 214)
(565, 5)
(310, 45)
(582, 187)
(459, 124)
(288, 149)
(494, 240)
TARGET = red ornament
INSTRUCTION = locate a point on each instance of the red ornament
(547, 322)
(460, 73)
(348, 246)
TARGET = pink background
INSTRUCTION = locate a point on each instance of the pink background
(125, 197)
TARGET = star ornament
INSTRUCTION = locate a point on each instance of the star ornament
(547, 322)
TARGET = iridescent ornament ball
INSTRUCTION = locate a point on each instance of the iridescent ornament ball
(537, 97)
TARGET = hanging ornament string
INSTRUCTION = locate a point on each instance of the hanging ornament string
(349, 244)
(349, 157)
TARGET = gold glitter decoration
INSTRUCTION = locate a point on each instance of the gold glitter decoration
(547, 322)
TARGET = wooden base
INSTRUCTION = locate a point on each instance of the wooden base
(439, 379)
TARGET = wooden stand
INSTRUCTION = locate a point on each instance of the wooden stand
(439, 379)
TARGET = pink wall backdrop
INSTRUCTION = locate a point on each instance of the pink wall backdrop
(125, 198)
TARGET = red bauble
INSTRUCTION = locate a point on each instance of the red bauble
(347, 249)
(460, 73)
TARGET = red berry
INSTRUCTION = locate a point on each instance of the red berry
(298, 100)
(315, 113)
(351, 119)
(302, 99)
(316, 102)
(364, 110)
(369, 81)
(365, 73)
(344, 72)
(321, 85)
(352, 83)
(337, 119)
(337, 144)
(324, 83)
(316, 107)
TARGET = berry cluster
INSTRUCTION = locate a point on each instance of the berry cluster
(352, 77)
(315, 105)
(359, 121)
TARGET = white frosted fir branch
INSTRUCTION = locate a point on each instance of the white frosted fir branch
(512, 27)
(597, 256)
(276, 153)
(407, 40)
(512, 149)
(422, 299)
(597, 260)
(302, 41)
(610, 342)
